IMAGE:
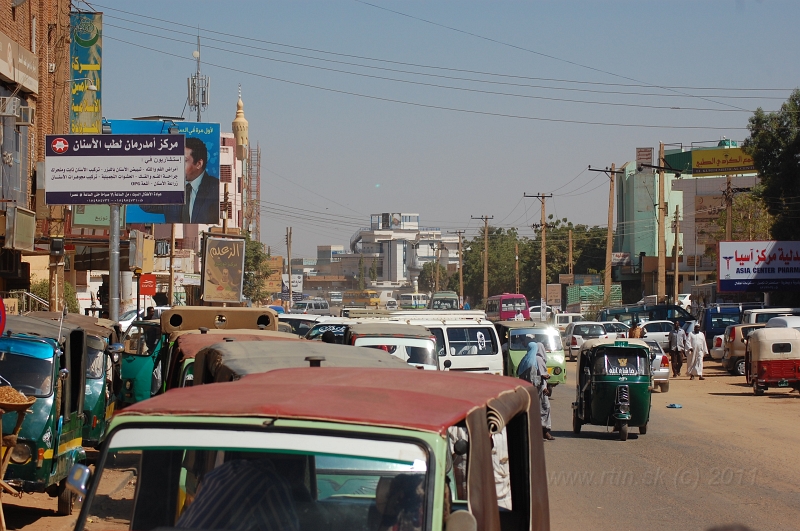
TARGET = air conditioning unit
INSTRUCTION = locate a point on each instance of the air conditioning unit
(26, 116)
(9, 106)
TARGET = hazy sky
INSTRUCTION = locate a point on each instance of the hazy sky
(331, 158)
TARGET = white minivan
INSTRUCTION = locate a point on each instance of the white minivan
(470, 344)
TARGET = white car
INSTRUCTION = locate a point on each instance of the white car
(718, 347)
(577, 333)
(616, 330)
(659, 330)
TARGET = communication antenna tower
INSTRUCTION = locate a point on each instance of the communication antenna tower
(199, 86)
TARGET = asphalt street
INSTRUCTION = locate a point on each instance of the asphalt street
(725, 457)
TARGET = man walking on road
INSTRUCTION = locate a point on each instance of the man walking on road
(696, 348)
(677, 348)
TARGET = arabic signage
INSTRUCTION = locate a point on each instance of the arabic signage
(723, 161)
(554, 295)
(223, 269)
(759, 266)
(203, 147)
(18, 65)
(85, 49)
(93, 216)
(707, 209)
(20, 228)
(588, 280)
(103, 169)
(564, 278)
(644, 156)
(297, 287)
(620, 259)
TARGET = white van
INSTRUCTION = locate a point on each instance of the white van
(562, 320)
(788, 321)
(762, 315)
(466, 344)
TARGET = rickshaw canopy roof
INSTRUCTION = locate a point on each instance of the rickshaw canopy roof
(37, 326)
(389, 330)
(422, 400)
(223, 362)
(31, 348)
(95, 326)
(761, 341)
(192, 341)
(615, 343)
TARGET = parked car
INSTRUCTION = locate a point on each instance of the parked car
(715, 319)
(717, 347)
(735, 346)
(660, 365)
(562, 320)
(659, 330)
(787, 321)
(616, 330)
(577, 333)
(684, 301)
(301, 323)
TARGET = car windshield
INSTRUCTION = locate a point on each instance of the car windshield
(588, 330)
(615, 327)
(236, 479)
(28, 375)
(521, 337)
(128, 316)
(412, 350)
(444, 304)
(337, 329)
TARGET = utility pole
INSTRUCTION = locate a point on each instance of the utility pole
(611, 173)
(113, 262)
(675, 290)
(485, 254)
(661, 284)
(728, 209)
(516, 266)
(460, 266)
(198, 87)
(171, 289)
(569, 256)
(227, 212)
(543, 265)
(438, 256)
(289, 261)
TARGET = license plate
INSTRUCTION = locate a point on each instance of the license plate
(783, 383)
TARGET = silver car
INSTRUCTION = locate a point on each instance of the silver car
(659, 330)
(577, 333)
(660, 365)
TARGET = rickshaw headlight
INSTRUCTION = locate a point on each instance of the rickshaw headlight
(556, 370)
(624, 408)
(21, 453)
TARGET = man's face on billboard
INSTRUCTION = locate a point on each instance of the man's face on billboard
(193, 169)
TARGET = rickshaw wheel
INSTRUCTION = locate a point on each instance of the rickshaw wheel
(66, 499)
(576, 423)
(623, 431)
(757, 390)
(643, 429)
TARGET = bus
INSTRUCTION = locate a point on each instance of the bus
(505, 307)
(412, 301)
(365, 297)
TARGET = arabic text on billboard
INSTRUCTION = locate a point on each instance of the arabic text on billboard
(723, 161)
(759, 266)
(125, 169)
(223, 269)
(85, 49)
(201, 169)
(297, 287)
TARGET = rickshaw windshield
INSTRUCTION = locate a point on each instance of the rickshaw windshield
(239, 479)
(521, 337)
(620, 362)
(141, 339)
(32, 376)
(416, 351)
(94, 357)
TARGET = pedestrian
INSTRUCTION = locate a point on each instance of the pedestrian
(518, 316)
(636, 331)
(466, 306)
(677, 348)
(533, 368)
(696, 348)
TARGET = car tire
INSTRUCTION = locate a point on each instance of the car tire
(664, 387)
(643, 429)
(739, 368)
(623, 431)
(66, 499)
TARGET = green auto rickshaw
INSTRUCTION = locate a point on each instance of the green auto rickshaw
(44, 360)
(613, 385)
(147, 346)
(515, 336)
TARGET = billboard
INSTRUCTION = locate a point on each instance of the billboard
(297, 287)
(620, 259)
(722, 161)
(758, 266)
(644, 156)
(554, 295)
(85, 50)
(201, 171)
(103, 169)
(223, 269)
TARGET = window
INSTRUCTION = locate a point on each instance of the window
(589, 330)
(470, 341)
(27, 374)
(781, 347)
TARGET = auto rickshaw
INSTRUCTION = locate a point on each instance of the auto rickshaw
(147, 345)
(517, 335)
(772, 359)
(613, 386)
(44, 360)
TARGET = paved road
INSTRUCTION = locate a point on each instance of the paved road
(726, 456)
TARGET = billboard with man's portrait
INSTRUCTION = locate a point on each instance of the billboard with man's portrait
(201, 149)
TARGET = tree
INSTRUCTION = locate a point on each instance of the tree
(361, 281)
(427, 277)
(373, 270)
(751, 220)
(256, 270)
(774, 144)
(41, 288)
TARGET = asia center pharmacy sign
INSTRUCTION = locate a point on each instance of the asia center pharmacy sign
(759, 266)
(124, 169)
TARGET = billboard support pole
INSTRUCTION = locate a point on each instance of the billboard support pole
(171, 289)
(113, 263)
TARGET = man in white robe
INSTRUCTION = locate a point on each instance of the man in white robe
(696, 348)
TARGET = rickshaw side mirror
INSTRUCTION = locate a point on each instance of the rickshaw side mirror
(115, 350)
(78, 479)
(461, 521)
(63, 374)
(447, 364)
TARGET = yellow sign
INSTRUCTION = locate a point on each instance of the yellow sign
(722, 161)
